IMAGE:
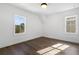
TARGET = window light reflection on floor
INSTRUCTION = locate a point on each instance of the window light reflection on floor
(44, 50)
(63, 47)
(52, 52)
(57, 45)
(54, 49)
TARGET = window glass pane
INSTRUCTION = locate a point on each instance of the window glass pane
(72, 27)
(19, 24)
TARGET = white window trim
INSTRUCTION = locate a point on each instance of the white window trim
(76, 24)
(24, 25)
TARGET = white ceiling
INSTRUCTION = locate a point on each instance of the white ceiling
(52, 7)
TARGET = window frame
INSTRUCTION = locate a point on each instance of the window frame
(24, 25)
(76, 20)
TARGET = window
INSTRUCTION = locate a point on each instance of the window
(71, 24)
(20, 24)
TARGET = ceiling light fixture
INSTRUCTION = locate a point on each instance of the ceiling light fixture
(44, 5)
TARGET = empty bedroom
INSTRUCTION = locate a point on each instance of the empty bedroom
(39, 28)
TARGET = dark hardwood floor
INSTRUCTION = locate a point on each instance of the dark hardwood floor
(32, 46)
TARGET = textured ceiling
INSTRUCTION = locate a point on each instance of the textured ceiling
(52, 7)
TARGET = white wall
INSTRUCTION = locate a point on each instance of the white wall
(7, 37)
(55, 26)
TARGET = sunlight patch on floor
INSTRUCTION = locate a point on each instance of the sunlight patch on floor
(54, 49)
(44, 50)
(57, 45)
(52, 52)
(63, 47)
